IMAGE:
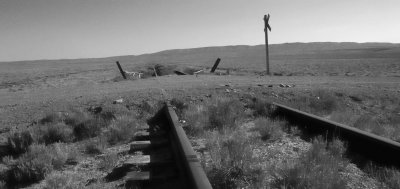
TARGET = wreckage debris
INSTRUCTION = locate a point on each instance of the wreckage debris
(118, 101)
(121, 70)
(134, 75)
(215, 65)
(95, 109)
(285, 86)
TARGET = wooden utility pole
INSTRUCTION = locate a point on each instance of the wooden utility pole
(215, 65)
(266, 28)
(120, 70)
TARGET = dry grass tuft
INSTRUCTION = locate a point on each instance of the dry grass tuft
(196, 117)
(19, 143)
(56, 132)
(269, 129)
(318, 168)
(121, 129)
(38, 162)
(224, 113)
(260, 107)
(96, 146)
(108, 162)
(231, 159)
(388, 176)
(320, 102)
(180, 106)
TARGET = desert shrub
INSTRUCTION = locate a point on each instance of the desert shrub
(121, 129)
(108, 161)
(196, 117)
(58, 132)
(95, 146)
(370, 123)
(88, 128)
(260, 107)
(62, 154)
(269, 129)
(231, 159)
(364, 122)
(19, 143)
(76, 117)
(224, 113)
(321, 102)
(318, 168)
(38, 162)
(51, 118)
(224, 177)
(31, 166)
(324, 102)
(148, 108)
(345, 117)
(179, 105)
(110, 111)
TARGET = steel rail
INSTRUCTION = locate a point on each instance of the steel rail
(379, 149)
(195, 174)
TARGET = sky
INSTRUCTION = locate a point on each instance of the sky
(66, 29)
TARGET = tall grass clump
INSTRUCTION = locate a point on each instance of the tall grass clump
(269, 129)
(224, 113)
(196, 117)
(121, 129)
(56, 132)
(231, 160)
(388, 176)
(318, 168)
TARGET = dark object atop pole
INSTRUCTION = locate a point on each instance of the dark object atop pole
(120, 69)
(215, 65)
(266, 28)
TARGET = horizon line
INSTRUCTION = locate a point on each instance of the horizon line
(113, 56)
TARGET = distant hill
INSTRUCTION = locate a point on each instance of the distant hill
(253, 57)
(283, 56)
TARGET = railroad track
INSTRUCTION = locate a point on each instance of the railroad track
(361, 145)
(171, 161)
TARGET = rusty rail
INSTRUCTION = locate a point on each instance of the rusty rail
(373, 147)
(186, 155)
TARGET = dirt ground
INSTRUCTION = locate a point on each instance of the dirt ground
(23, 103)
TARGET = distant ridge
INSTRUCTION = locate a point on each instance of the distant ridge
(244, 56)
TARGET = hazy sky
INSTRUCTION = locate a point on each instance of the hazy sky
(54, 29)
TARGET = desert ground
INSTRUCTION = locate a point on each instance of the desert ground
(362, 79)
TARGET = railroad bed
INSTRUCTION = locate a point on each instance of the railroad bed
(167, 158)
